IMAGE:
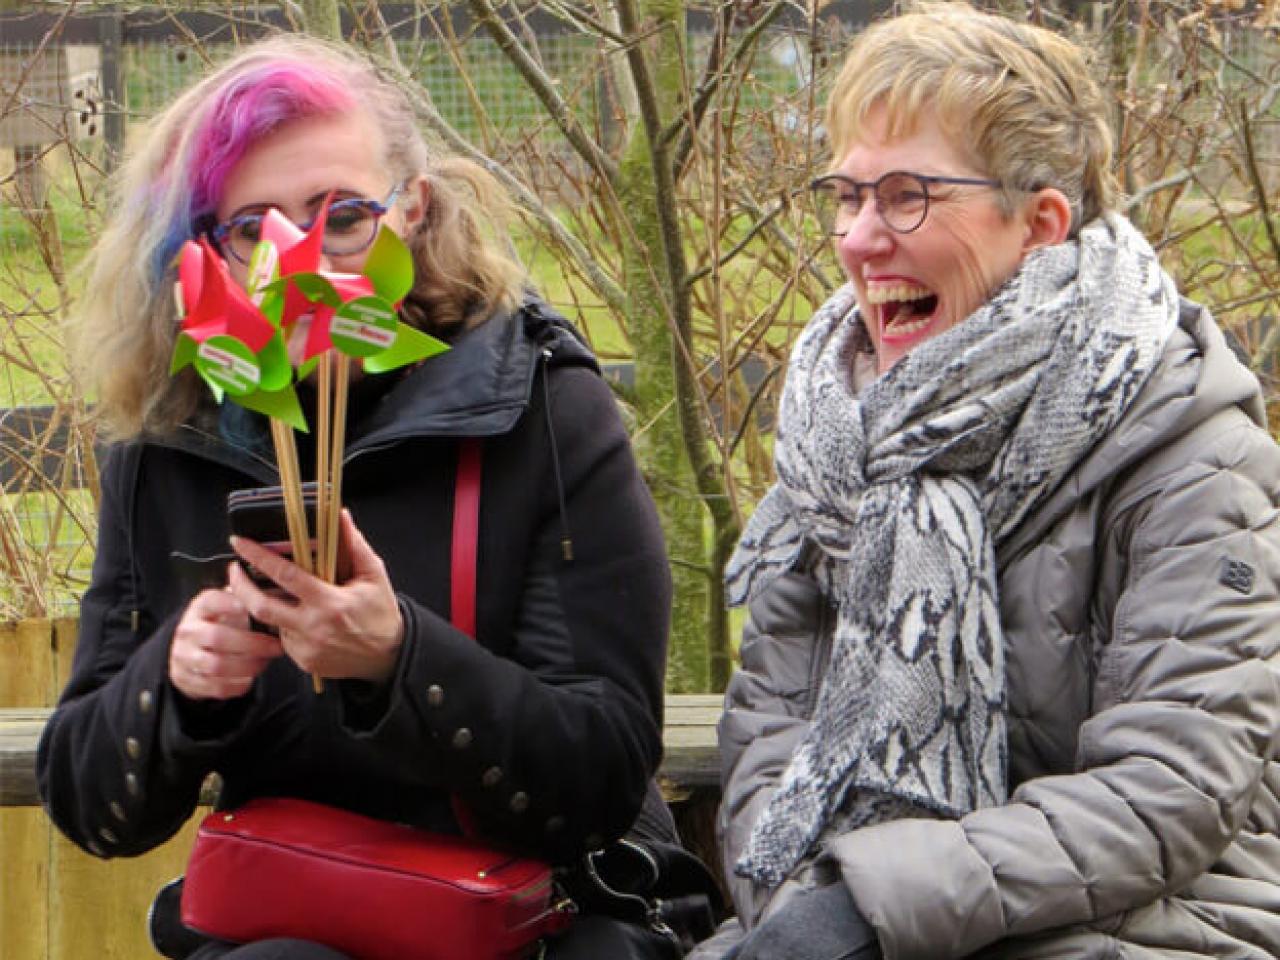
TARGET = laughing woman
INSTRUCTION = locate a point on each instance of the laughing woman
(1009, 682)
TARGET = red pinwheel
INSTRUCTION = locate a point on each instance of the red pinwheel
(215, 304)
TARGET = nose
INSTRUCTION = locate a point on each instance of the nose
(867, 236)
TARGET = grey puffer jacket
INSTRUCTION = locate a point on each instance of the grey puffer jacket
(1141, 607)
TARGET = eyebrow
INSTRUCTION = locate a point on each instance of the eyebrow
(254, 209)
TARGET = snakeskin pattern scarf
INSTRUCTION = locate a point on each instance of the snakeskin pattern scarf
(905, 488)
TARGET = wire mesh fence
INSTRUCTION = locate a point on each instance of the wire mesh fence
(53, 99)
(57, 97)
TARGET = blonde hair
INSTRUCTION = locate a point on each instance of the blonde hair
(1017, 98)
(126, 323)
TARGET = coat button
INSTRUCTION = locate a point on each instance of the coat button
(492, 777)
(133, 747)
(554, 824)
(117, 811)
(435, 695)
(131, 784)
(461, 738)
(145, 700)
(106, 834)
(519, 802)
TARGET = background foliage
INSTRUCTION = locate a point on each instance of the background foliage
(658, 152)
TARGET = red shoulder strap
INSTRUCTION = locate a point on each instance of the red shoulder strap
(466, 533)
(462, 567)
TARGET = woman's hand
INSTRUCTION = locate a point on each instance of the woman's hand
(214, 654)
(351, 630)
(818, 923)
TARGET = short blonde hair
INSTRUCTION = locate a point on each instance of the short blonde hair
(126, 322)
(1017, 98)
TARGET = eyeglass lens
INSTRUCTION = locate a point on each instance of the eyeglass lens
(902, 200)
(349, 228)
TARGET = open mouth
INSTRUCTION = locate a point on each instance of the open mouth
(905, 309)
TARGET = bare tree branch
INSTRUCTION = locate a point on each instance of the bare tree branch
(1210, 151)
(1255, 181)
(545, 90)
(713, 78)
(576, 16)
(609, 291)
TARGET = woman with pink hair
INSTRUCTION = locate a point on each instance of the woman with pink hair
(545, 726)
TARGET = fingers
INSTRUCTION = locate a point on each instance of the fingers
(364, 561)
(283, 572)
(350, 630)
(213, 654)
(281, 612)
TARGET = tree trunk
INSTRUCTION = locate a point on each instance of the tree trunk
(660, 442)
(652, 294)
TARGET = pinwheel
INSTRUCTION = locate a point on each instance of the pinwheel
(341, 316)
(245, 345)
(233, 344)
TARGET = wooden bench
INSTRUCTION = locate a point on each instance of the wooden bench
(58, 903)
(690, 766)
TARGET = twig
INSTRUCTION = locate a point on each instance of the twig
(1209, 151)
(740, 246)
(1255, 181)
(528, 201)
(688, 126)
(324, 426)
(580, 18)
(544, 89)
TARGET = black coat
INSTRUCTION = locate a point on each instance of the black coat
(547, 728)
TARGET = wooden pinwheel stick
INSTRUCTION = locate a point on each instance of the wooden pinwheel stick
(291, 486)
(331, 435)
(338, 438)
(324, 411)
(295, 510)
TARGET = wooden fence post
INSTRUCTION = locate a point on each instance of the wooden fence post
(111, 40)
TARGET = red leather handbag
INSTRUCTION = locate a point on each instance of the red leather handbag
(368, 888)
(374, 890)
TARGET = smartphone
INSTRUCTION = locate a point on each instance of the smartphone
(258, 514)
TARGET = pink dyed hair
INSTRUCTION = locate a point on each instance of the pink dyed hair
(249, 107)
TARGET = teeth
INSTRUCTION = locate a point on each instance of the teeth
(909, 327)
(896, 292)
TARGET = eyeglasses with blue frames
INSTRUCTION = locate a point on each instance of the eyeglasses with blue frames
(902, 199)
(349, 229)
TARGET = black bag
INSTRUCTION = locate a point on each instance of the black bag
(650, 883)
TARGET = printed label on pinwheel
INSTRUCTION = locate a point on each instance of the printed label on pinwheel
(227, 363)
(364, 327)
(389, 266)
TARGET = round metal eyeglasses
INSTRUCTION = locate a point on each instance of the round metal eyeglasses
(902, 199)
(350, 227)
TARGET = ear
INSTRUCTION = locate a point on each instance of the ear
(1048, 219)
(417, 198)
